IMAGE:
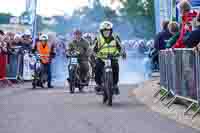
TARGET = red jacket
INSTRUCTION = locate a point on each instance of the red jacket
(186, 18)
(3, 63)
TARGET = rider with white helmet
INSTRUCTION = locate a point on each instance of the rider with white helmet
(46, 53)
(104, 42)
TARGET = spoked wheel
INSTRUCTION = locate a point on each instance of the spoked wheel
(72, 82)
(34, 84)
(108, 90)
(105, 96)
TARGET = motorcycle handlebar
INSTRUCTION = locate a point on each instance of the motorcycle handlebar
(71, 56)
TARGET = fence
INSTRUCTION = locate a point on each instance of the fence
(15, 65)
(180, 75)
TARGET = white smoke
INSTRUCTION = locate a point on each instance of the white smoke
(137, 67)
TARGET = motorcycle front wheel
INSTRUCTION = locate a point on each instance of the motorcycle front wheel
(108, 89)
(72, 80)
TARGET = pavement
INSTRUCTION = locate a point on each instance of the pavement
(23, 110)
(144, 93)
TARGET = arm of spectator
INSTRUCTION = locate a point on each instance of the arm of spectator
(172, 40)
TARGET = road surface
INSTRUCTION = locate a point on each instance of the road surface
(24, 110)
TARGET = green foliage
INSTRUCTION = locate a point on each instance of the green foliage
(136, 11)
(5, 18)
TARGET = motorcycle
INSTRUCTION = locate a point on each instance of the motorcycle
(39, 76)
(74, 72)
(107, 78)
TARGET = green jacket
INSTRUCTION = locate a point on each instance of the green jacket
(172, 40)
(82, 47)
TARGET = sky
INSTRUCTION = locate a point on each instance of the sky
(47, 7)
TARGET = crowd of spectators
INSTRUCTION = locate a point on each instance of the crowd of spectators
(13, 44)
(183, 34)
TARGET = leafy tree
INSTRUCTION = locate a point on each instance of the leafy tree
(141, 15)
(5, 18)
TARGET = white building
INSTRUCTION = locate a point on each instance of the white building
(14, 20)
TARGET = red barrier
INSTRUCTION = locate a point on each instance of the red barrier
(3, 63)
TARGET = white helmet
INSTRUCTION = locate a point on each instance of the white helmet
(17, 36)
(106, 25)
(43, 37)
(27, 33)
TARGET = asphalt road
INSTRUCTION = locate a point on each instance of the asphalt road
(24, 110)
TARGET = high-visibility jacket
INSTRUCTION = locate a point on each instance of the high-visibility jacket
(105, 49)
(44, 52)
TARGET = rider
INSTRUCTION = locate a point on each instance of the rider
(81, 46)
(104, 42)
(46, 54)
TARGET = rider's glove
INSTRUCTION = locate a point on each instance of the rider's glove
(124, 56)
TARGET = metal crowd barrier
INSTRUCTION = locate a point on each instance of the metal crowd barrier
(180, 75)
(14, 64)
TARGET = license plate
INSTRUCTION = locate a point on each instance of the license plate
(74, 60)
(107, 62)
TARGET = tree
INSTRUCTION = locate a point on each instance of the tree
(5, 18)
(140, 13)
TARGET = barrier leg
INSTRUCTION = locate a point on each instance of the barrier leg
(157, 92)
(171, 102)
(195, 114)
(165, 95)
(187, 110)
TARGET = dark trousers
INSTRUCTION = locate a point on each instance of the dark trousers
(155, 61)
(20, 65)
(47, 69)
(84, 69)
(99, 68)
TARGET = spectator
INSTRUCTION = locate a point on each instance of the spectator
(26, 41)
(3, 56)
(20, 54)
(2, 33)
(162, 37)
(17, 40)
(187, 17)
(194, 38)
(174, 30)
(159, 44)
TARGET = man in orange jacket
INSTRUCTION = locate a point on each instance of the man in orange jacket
(46, 54)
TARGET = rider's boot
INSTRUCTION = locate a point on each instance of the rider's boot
(41, 84)
(68, 79)
(50, 86)
(98, 89)
(81, 89)
(116, 89)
